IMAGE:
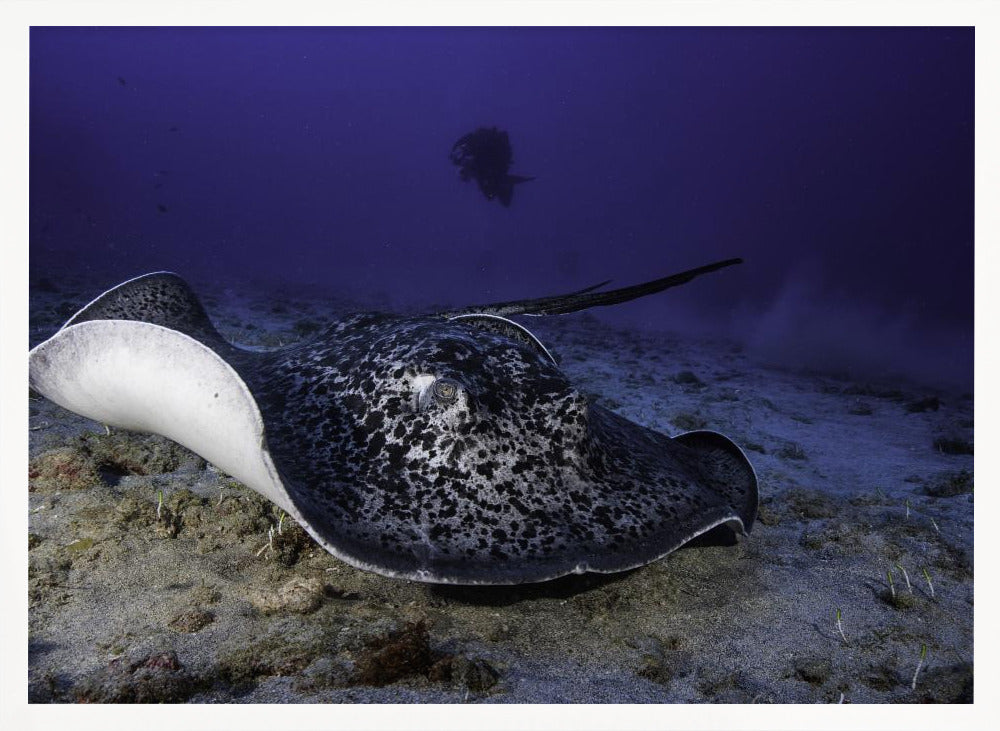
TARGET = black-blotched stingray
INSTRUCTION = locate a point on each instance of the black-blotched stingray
(445, 448)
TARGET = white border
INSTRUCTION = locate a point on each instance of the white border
(15, 18)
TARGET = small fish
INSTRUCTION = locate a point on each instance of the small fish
(122, 81)
(161, 208)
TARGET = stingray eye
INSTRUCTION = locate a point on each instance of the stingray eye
(445, 390)
(430, 392)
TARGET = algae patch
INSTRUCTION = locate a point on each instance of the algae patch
(62, 468)
(129, 453)
(92, 459)
(407, 653)
(811, 504)
(155, 678)
(394, 656)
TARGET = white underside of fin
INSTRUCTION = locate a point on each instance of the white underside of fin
(148, 378)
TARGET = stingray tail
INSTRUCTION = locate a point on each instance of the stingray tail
(586, 298)
(159, 298)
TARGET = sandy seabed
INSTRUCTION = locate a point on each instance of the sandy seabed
(155, 577)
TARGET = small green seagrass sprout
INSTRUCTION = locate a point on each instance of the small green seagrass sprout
(281, 521)
(840, 627)
(159, 504)
(270, 541)
(905, 576)
(892, 586)
(930, 584)
(920, 662)
(907, 508)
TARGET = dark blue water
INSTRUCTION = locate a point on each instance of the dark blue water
(837, 162)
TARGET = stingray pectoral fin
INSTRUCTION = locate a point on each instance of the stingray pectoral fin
(725, 465)
(149, 378)
(160, 298)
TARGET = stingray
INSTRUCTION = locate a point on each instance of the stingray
(445, 448)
